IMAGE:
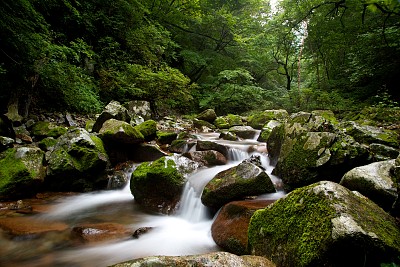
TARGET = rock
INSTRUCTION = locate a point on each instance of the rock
(245, 132)
(139, 108)
(76, 162)
(42, 129)
(28, 226)
(145, 152)
(117, 180)
(370, 134)
(207, 158)
(157, 185)
(47, 143)
(374, 181)
(203, 145)
(21, 172)
(166, 137)
(203, 126)
(22, 133)
(222, 123)
(181, 146)
(70, 120)
(148, 129)
(324, 224)
(257, 121)
(229, 229)
(114, 110)
(382, 152)
(204, 260)
(99, 232)
(234, 120)
(116, 131)
(5, 142)
(229, 136)
(236, 183)
(267, 130)
(207, 115)
(141, 231)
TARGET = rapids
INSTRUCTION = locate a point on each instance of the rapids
(185, 233)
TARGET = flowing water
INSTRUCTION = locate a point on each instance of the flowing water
(185, 233)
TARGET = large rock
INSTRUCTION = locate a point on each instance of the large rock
(137, 108)
(42, 129)
(381, 152)
(157, 185)
(207, 115)
(245, 132)
(374, 181)
(257, 121)
(99, 232)
(236, 183)
(203, 145)
(267, 130)
(229, 229)
(5, 142)
(114, 110)
(148, 129)
(21, 172)
(207, 158)
(116, 131)
(181, 145)
(76, 162)
(324, 224)
(204, 260)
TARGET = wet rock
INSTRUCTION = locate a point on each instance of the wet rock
(324, 224)
(146, 152)
(114, 110)
(207, 158)
(28, 226)
(203, 145)
(267, 129)
(166, 137)
(77, 162)
(229, 229)
(204, 260)
(21, 172)
(148, 129)
(257, 121)
(141, 231)
(99, 232)
(42, 129)
(181, 146)
(374, 181)
(203, 126)
(116, 131)
(70, 120)
(117, 179)
(243, 180)
(207, 115)
(229, 136)
(245, 132)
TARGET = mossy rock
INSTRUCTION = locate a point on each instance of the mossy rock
(5, 143)
(115, 131)
(326, 114)
(89, 125)
(166, 137)
(222, 123)
(113, 110)
(324, 224)
(148, 129)
(21, 172)
(234, 120)
(257, 121)
(236, 183)
(157, 185)
(181, 146)
(207, 115)
(42, 129)
(267, 130)
(207, 158)
(47, 143)
(201, 124)
(245, 132)
(203, 145)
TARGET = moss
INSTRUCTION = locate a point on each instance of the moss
(148, 129)
(221, 123)
(234, 120)
(98, 144)
(301, 221)
(46, 143)
(166, 137)
(89, 125)
(43, 129)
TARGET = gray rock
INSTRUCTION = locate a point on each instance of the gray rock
(114, 110)
(139, 109)
(245, 132)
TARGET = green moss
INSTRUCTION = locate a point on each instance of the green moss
(234, 120)
(89, 125)
(43, 129)
(99, 144)
(148, 129)
(301, 221)
(46, 143)
(221, 123)
(166, 137)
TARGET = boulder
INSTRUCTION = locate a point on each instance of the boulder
(145, 152)
(234, 120)
(99, 232)
(207, 157)
(229, 229)
(236, 183)
(181, 146)
(137, 108)
(203, 145)
(245, 132)
(148, 129)
(222, 123)
(6, 128)
(324, 224)
(157, 185)
(203, 126)
(374, 181)
(116, 131)
(5, 142)
(366, 134)
(164, 138)
(22, 134)
(381, 152)
(204, 260)
(47, 143)
(21, 172)
(42, 129)
(76, 162)
(267, 130)
(229, 136)
(114, 110)
(257, 121)
(207, 115)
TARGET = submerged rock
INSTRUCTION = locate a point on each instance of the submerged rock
(324, 224)
(99, 232)
(243, 180)
(204, 260)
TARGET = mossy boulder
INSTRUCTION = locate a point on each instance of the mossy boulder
(207, 158)
(234, 120)
(258, 120)
(157, 185)
(116, 131)
(222, 123)
(21, 172)
(245, 132)
(208, 115)
(203, 125)
(229, 229)
(76, 162)
(267, 130)
(374, 181)
(166, 137)
(47, 143)
(204, 145)
(366, 134)
(236, 183)
(181, 145)
(381, 152)
(324, 224)
(113, 110)
(148, 129)
(42, 129)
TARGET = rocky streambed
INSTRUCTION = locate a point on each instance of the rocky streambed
(128, 187)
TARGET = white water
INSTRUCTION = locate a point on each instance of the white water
(185, 233)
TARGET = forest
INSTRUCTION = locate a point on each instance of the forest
(234, 56)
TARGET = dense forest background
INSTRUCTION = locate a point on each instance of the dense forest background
(185, 55)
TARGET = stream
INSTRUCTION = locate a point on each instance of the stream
(187, 232)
